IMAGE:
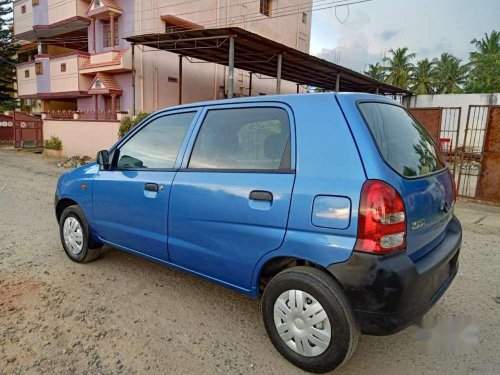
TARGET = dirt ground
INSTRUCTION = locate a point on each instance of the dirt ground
(125, 315)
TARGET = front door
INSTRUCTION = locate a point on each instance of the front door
(130, 200)
(230, 199)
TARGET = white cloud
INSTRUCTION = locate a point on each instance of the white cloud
(427, 27)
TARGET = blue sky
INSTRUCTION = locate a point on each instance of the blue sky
(427, 27)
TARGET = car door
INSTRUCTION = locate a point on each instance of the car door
(130, 201)
(230, 199)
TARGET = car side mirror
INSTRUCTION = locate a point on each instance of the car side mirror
(103, 160)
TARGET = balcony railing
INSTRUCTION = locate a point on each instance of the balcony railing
(40, 19)
(97, 115)
(60, 115)
(53, 74)
(83, 115)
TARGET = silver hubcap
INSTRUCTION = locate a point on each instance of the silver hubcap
(73, 236)
(302, 323)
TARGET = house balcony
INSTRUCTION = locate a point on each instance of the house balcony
(53, 77)
(109, 62)
(34, 19)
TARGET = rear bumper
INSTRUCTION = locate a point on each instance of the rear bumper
(389, 293)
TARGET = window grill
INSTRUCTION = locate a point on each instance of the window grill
(38, 68)
(107, 34)
(266, 7)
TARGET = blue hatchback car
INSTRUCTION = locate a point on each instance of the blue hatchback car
(335, 209)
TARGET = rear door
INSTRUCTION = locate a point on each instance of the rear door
(414, 166)
(230, 200)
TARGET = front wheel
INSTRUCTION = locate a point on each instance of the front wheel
(309, 320)
(75, 236)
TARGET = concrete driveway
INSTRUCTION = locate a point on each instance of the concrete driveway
(124, 314)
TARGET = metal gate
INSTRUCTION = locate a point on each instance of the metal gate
(471, 150)
(473, 153)
(6, 130)
(479, 173)
(488, 185)
(27, 131)
(449, 132)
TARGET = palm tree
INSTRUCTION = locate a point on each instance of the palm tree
(485, 64)
(489, 45)
(423, 77)
(451, 74)
(375, 71)
(399, 67)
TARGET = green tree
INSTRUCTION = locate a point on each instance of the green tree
(451, 74)
(376, 71)
(399, 67)
(485, 64)
(423, 78)
(8, 54)
(489, 45)
(127, 123)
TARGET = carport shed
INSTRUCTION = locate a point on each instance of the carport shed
(238, 48)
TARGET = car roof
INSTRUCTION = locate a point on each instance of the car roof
(285, 98)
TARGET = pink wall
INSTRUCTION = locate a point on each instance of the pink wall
(82, 137)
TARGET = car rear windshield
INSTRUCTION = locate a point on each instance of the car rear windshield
(404, 144)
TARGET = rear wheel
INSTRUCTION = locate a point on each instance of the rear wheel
(75, 236)
(309, 320)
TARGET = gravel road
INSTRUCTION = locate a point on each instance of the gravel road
(124, 314)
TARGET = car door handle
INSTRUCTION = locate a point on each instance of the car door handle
(151, 187)
(260, 195)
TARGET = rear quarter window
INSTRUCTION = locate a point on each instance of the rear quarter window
(404, 144)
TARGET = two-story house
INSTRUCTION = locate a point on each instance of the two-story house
(74, 56)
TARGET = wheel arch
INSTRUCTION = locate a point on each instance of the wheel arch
(274, 265)
(62, 204)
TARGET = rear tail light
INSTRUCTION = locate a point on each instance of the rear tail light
(381, 219)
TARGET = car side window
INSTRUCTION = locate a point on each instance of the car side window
(243, 139)
(157, 144)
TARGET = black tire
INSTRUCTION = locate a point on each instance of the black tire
(324, 288)
(90, 249)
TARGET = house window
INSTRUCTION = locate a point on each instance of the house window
(23, 9)
(98, 84)
(26, 73)
(106, 28)
(63, 67)
(304, 17)
(109, 103)
(172, 79)
(35, 2)
(38, 68)
(265, 7)
(97, 3)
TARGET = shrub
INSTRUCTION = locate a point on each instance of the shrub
(53, 143)
(128, 123)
